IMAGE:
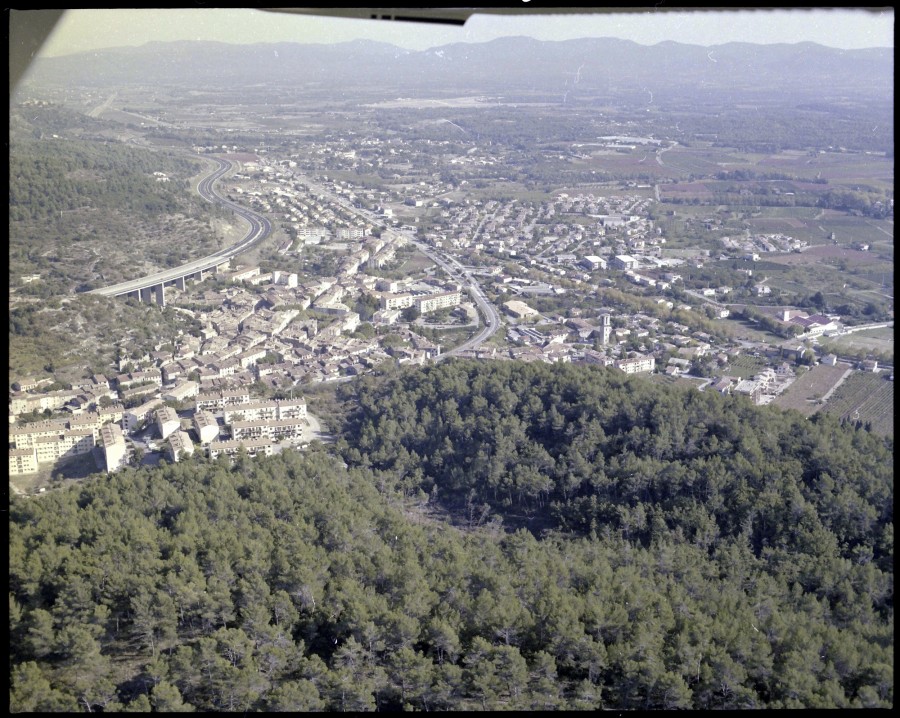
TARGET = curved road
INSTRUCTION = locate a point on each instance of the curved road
(492, 316)
(260, 228)
(448, 264)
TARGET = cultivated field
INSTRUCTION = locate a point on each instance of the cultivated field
(880, 340)
(806, 393)
(744, 366)
(866, 397)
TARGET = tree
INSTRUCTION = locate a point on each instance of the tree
(165, 698)
(31, 691)
(410, 314)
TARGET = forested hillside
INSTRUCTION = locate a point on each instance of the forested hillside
(597, 452)
(84, 213)
(708, 555)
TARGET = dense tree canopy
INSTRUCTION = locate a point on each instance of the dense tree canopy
(706, 555)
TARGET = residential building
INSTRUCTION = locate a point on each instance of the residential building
(638, 364)
(433, 302)
(218, 400)
(23, 461)
(112, 441)
(269, 428)
(592, 262)
(624, 261)
(206, 426)
(26, 436)
(259, 410)
(520, 310)
(182, 391)
(253, 447)
(167, 421)
(396, 301)
(70, 443)
(179, 444)
(136, 416)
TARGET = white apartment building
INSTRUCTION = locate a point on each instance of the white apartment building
(206, 426)
(218, 400)
(269, 429)
(182, 391)
(70, 443)
(434, 302)
(167, 421)
(132, 418)
(253, 447)
(637, 365)
(22, 461)
(272, 410)
(113, 443)
(179, 443)
(397, 301)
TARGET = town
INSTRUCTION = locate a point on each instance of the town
(585, 277)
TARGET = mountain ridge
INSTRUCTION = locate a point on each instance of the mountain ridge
(806, 69)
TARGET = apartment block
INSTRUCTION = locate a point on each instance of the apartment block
(260, 410)
(113, 443)
(433, 302)
(134, 417)
(269, 429)
(22, 461)
(206, 426)
(167, 421)
(253, 447)
(179, 444)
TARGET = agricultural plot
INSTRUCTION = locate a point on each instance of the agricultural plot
(865, 397)
(744, 366)
(806, 393)
(837, 168)
(626, 163)
(880, 340)
(685, 191)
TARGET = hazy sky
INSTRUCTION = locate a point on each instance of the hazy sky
(82, 30)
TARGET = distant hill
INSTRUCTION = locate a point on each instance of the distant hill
(589, 67)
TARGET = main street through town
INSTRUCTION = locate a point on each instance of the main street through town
(446, 262)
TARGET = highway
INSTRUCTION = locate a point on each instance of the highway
(260, 228)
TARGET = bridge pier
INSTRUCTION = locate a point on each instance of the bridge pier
(160, 290)
(145, 295)
(180, 283)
